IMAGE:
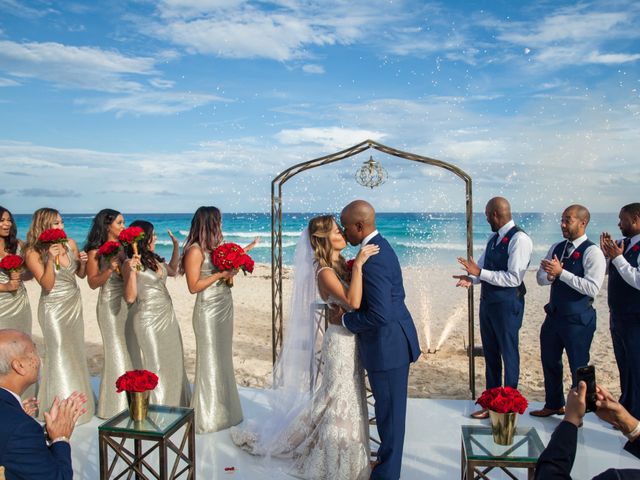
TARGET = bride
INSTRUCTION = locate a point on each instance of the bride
(323, 431)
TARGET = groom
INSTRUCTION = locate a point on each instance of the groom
(387, 338)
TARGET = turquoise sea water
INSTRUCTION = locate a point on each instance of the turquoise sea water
(418, 238)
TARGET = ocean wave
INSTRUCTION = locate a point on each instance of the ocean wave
(259, 245)
(455, 246)
(259, 234)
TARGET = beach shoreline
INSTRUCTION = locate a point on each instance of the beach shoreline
(439, 310)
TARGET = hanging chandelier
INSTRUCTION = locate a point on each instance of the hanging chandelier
(371, 174)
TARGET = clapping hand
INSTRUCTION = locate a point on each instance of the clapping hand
(30, 406)
(463, 281)
(553, 267)
(609, 247)
(61, 418)
(470, 266)
(174, 240)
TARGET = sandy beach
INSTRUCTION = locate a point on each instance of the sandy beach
(439, 310)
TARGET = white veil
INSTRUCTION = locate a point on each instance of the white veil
(296, 366)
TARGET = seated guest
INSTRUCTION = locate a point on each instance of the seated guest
(556, 460)
(24, 451)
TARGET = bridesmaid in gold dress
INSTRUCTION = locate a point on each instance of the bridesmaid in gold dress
(111, 309)
(154, 322)
(64, 367)
(15, 311)
(215, 396)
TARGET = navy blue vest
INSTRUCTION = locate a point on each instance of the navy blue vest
(623, 298)
(496, 258)
(564, 299)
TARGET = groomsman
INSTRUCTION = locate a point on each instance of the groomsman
(624, 303)
(575, 270)
(500, 270)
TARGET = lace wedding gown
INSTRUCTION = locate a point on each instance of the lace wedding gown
(329, 438)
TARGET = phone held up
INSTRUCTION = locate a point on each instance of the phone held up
(587, 375)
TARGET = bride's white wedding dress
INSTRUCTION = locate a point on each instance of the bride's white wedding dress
(329, 437)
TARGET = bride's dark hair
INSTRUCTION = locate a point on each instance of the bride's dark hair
(319, 230)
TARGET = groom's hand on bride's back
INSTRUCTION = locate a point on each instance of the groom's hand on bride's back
(335, 314)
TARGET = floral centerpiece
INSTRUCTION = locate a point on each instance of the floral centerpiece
(108, 250)
(138, 385)
(52, 236)
(503, 403)
(131, 236)
(231, 256)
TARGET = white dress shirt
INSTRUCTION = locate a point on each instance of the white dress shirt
(629, 274)
(368, 238)
(595, 266)
(520, 247)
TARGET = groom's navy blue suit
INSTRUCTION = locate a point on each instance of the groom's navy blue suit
(23, 450)
(388, 343)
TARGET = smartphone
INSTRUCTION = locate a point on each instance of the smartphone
(587, 375)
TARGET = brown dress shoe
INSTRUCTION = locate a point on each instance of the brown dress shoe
(480, 414)
(547, 412)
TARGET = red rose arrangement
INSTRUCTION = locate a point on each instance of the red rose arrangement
(136, 381)
(131, 236)
(503, 400)
(575, 255)
(51, 236)
(231, 256)
(11, 263)
(107, 250)
(505, 240)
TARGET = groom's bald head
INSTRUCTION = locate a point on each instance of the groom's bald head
(358, 220)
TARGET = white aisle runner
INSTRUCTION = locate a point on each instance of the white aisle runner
(432, 444)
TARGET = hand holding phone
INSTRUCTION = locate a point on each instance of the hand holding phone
(587, 375)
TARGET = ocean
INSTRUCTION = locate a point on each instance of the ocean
(418, 238)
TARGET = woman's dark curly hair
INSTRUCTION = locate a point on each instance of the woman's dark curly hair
(11, 242)
(148, 258)
(99, 228)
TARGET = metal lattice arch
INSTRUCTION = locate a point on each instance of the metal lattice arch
(276, 233)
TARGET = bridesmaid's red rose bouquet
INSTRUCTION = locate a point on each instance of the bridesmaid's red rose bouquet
(503, 400)
(136, 381)
(52, 236)
(107, 250)
(11, 263)
(231, 256)
(131, 236)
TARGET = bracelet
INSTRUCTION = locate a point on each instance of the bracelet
(61, 438)
(633, 434)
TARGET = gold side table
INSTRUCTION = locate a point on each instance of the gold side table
(479, 450)
(154, 434)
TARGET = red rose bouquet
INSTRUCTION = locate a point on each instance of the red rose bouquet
(11, 263)
(231, 256)
(503, 400)
(131, 236)
(136, 381)
(107, 250)
(51, 236)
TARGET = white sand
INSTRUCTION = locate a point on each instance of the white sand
(439, 310)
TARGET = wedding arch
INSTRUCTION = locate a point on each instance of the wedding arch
(276, 233)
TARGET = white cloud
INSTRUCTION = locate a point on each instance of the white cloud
(313, 68)
(150, 103)
(88, 68)
(327, 137)
(7, 82)
(19, 9)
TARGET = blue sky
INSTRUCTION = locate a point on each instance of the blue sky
(170, 104)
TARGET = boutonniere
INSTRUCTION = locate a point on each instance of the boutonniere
(505, 240)
(575, 255)
(635, 248)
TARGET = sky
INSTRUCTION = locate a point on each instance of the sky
(166, 105)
